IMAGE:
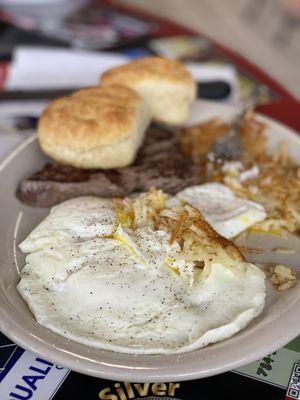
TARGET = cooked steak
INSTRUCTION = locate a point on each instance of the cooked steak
(159, 164)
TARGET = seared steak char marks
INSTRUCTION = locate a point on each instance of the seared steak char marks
(159, 164)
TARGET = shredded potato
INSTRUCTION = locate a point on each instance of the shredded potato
(197, 243)
(276, 185)
(282, 277)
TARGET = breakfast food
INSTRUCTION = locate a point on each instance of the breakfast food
(95, 134)
(228, 214)
(165, 84)
(95, 127)
(270, 178)
(282, 277)
(145, 275)
(159, 163)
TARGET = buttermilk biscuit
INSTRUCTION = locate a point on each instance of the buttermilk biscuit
(166, 85)
(95, 127)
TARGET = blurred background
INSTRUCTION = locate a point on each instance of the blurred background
(60, 45)
(267, 32)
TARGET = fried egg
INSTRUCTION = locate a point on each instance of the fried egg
(228, 214)
(67, 223)
(93, 279)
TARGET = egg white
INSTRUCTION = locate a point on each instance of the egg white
(72, 221)
(119, 293)
(228, 214)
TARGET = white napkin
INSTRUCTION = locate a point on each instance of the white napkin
(55, 68)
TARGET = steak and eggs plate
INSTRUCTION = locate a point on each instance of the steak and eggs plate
(138, 253)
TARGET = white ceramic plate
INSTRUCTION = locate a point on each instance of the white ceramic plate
(277, 325)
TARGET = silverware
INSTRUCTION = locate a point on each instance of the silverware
(36, 94)
(229, 146)
(210, 90)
